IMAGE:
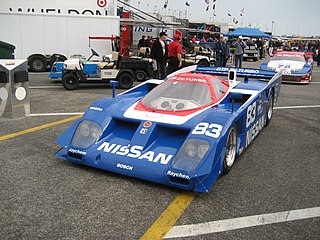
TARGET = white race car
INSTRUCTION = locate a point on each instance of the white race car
(295, 66)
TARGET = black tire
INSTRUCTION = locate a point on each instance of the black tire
(141, 76)
(270, 108)
(38, 64)
(70, 81)
(231, 149)
(126, 80)
(203, 63)
(256, 59)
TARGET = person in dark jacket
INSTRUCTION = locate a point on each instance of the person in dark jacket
(142, 42)
(159, 55)
(222, 53)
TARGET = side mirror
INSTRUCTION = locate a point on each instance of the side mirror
(232, 75)
(114, 85)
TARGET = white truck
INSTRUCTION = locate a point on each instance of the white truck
(45, 30)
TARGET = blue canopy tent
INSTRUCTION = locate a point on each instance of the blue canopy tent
(248, 32)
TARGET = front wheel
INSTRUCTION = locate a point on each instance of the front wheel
(231, 149)
(70, 81)
(126, 80)
(270, 109)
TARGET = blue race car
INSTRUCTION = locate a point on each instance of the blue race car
(183, 132)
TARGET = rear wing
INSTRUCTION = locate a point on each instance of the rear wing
(241, 72)
(245, 73)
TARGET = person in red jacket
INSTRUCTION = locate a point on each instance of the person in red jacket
(175, 54)
(194, 39)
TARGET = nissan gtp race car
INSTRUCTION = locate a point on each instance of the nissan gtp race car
(183, 132)
(295, 66)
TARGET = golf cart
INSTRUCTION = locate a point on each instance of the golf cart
(75, 71)
(112, 67)
(200, 56)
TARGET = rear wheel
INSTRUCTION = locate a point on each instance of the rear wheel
(231, 149)
(70, 81)
(141, 75)
(38, 64)
(126, 80)
(270, 108)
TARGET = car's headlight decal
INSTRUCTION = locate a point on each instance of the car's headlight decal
(190, 154)
(86, 135)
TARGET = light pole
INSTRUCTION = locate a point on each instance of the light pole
(273, 22)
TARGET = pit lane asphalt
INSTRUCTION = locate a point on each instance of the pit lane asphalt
(42, 197)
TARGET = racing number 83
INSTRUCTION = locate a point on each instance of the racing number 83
(211, 130)
(251, 114)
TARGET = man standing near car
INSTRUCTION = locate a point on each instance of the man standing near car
(239, 46)
(159, 55)
(222, 52)
(175, 54)
(271, 46)
(259, 44)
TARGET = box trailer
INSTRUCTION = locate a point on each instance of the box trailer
(43, 31)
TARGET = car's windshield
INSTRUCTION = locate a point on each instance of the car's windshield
(174, 95)
(291, 58)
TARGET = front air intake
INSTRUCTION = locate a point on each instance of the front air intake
(75, 155)
(180, 181)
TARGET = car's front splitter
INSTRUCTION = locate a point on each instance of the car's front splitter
(138, 170)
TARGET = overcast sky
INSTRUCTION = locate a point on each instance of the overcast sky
(290, 16)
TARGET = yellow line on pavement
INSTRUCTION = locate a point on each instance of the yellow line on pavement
(168, 218)
(34, 129)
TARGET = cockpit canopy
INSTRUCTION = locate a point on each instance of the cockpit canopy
(187, 91)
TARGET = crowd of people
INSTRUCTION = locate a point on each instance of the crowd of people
(167, 58)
